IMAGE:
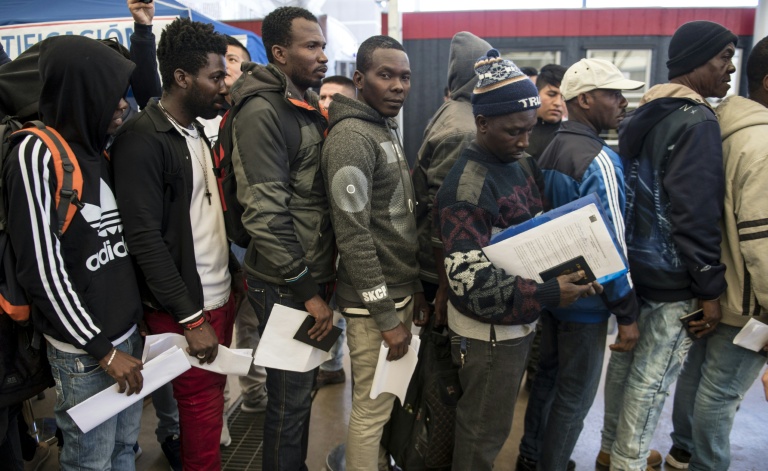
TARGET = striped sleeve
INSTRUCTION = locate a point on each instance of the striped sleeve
(605, 178)
(42, 271)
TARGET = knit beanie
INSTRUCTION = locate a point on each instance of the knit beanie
(501, 87)
(694, 44)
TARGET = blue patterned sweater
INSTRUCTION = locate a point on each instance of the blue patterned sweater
(480, 196)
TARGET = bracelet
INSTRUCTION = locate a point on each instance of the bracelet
(196, 324)
(111, 357)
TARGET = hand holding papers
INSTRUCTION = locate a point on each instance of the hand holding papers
(302, 335)
(753, 336)
(575, 229)
(158, 371)
(278, 349)
(395, 376)
(227, 362)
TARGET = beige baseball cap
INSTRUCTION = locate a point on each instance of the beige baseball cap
(591, 74)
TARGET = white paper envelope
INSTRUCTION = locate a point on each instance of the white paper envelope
(277, 347)
(102, 406)
(395, 376)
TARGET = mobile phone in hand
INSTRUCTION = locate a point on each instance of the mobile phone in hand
(696, 315)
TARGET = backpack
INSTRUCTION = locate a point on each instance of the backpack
(224, 169)
(24, 368)
(420, 433)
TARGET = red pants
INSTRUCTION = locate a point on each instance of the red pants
(199, 393)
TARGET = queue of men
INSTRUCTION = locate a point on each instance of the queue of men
(320, 177)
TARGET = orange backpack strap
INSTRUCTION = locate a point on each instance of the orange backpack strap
(69, 178)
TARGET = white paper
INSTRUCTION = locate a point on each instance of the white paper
(753, 336)
(580, 232)
(395, 376)
(277, 347)
(102, 406)
(227, 362)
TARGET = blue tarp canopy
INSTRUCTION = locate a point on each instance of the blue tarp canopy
(25, 22)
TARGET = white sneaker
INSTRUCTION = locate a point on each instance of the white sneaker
(225, 439)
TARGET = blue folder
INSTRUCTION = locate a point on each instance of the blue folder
(560, 211)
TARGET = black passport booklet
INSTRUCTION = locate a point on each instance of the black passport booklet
(571, 266)
(325, 344)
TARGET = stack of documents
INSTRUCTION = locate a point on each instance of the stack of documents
(228, 361)
(577, 228)
(279, 349)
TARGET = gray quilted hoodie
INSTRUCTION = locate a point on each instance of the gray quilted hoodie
(372, 204)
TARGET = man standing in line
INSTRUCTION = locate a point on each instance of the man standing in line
(492, 313)
(372, 204)
(175, 228)
(550, 114)
(332, 371)
(449, 132)
(674, 184)
(717, 373)
(333, 85)
(291, 254)
(85, 304)
(575, 164)
(253, 385)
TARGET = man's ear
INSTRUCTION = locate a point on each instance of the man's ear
(481, 122)
(181, 78)
(358, 79)
(583, 101)
(765, 83)
(278, 52)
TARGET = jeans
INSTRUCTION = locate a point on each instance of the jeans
(569, 368)
(167, 412)
(368, 416)
(289, 402)
(712, 384)
(490, 374)
(637, 382)
(199, 393)
(335, 363)
(110, 445)
(254, 384)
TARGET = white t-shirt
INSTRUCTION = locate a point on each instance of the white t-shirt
(208, 232)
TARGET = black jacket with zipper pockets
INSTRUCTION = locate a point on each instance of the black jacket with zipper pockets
(152, 164)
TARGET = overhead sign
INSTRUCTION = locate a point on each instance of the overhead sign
(20, 37)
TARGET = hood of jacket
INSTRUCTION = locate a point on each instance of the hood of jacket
(342, 108)
(257, 78)
(83, 81)
(656, 104)
(466, 48)
(736, 113)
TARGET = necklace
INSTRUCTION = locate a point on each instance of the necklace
(194, 151)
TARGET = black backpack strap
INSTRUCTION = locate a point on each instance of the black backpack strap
(289, 124)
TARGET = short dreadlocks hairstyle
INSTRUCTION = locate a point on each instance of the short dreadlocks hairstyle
(276, 27)
(185, 45)
(365, 53)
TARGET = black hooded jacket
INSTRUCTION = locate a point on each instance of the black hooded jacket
(81, 285)
(675, 186)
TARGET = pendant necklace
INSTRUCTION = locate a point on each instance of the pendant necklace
(194, 151)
